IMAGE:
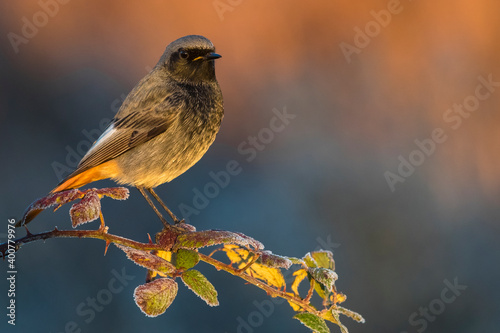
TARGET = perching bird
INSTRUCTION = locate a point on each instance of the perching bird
(165, 125)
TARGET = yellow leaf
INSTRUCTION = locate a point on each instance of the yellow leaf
(328, 315)
(294, 305)
(300, 275)
(324, 259)
(272, 276)
(237, 255)
(337, 298)
(167, 255)
(241, 257)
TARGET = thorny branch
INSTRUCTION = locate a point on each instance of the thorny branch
(176, 251)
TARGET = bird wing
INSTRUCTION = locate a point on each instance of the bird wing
(131, 129)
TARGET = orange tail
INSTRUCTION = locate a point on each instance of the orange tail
(75, 180)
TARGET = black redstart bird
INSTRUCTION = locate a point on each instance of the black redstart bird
(165, 125)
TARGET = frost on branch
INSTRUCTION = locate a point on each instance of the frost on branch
(87, 210)
(180, 247)
(148, 260)
(307, 283)
(199, 239)
(267, 258)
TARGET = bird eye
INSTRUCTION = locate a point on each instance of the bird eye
(183, 54)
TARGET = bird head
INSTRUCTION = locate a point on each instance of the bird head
(190, 58)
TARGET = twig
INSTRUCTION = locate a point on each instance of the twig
(110, 238)
(310, 292)
(97, 234)
(250, 279)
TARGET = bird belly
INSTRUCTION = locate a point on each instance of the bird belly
(163, 158)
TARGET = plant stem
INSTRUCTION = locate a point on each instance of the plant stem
(97, 234)
(102, 234)
(273, 292)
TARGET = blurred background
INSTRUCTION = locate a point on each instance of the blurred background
(363, 79)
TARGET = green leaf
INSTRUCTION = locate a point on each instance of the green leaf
(186, 259)
(336, 320)
(346, 312)
(312, 321)
(296, 261)
(148, 260)
(325, 276)
(321, 290)
(155, 297)
(267, 258)
(199, 284)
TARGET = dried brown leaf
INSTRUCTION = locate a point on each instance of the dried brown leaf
(116, 193)
(267, 258)
(55, 199)
(148, 260)
(199, 239)
(87, 210)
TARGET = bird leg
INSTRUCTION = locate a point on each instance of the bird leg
(174, 218)
(150, 202)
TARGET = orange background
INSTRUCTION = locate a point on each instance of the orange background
(323, 175)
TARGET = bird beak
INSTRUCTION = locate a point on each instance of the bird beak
(212, 56)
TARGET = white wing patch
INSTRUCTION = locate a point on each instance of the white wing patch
(103, 138)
